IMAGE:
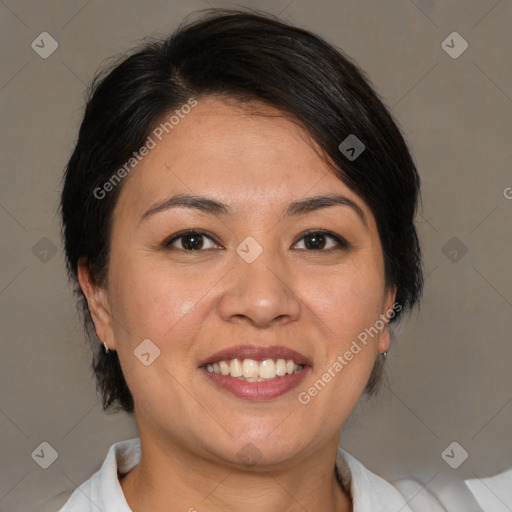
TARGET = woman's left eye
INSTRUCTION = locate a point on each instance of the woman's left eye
(319, 240)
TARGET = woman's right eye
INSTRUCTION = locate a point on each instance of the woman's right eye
(190, 240)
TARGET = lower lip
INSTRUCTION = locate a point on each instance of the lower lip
(265, 390)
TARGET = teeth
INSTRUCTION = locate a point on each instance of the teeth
(251, 370)
(281, 367)
(235, 368)
(224, 367)
(268, 369)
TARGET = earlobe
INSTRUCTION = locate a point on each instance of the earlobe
(389, 312)
(98, 303)
(384, 340)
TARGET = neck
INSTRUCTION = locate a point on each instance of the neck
(171, 479)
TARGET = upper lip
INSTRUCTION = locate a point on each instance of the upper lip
(257, 352)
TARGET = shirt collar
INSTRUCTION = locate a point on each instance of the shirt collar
(368, 491)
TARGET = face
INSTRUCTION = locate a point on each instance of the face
(259, 272)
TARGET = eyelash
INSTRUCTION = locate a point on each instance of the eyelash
(342, 244)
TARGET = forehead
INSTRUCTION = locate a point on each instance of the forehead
(244, 155)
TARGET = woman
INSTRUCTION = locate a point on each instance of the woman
(239, 215)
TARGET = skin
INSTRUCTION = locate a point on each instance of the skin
(194, 303)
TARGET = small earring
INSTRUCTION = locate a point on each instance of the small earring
(384, 354)
(106, 348)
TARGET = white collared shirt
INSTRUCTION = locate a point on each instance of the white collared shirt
(494, 494)
(491, 494)
(102, 491)
(369, 492)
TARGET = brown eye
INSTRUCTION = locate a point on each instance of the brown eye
(190, 241)
(322, 240)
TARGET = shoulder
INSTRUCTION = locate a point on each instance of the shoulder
(86, 497)
(492, 493)
(371, 492)
(102, 490)
(54, 504)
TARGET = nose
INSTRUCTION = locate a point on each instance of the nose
(259, 293)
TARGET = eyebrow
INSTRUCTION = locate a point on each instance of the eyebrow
(214, 207)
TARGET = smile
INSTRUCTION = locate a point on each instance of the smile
(250, 370)
(256, 372)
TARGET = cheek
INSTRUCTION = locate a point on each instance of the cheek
(168, 307)
(348, 300)
(157, 301)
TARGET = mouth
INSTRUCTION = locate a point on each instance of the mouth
(256, 373)
(250, 370)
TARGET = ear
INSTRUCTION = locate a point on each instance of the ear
(99, 306)
(388, 303)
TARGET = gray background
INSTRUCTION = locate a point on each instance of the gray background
(449, 371)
